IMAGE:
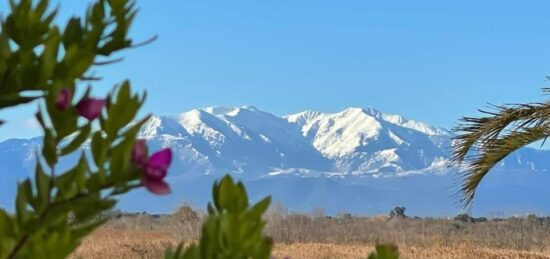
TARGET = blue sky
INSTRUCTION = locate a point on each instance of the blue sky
(432, 61)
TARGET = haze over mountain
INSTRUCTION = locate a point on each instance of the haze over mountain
(357, 160)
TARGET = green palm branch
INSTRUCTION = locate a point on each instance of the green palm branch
(484, 141)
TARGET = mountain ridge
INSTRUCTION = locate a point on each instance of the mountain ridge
(389, 159)
(356, 140)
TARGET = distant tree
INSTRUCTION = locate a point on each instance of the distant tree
(480, 220)
(398, 212)
(464, 218)
(345, 216)
(318, 213)
(484, 141)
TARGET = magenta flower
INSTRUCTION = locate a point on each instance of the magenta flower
(139, 152)
(90, 108)
(63, 99)
(154, 168)
(158, 163)
(157, 187)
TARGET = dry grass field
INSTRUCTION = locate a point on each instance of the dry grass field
(119, 244)
(318, 236)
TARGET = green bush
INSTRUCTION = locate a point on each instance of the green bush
(466, 218)
(385, 252)
(233, 229)
(398, 212)
(47, 64)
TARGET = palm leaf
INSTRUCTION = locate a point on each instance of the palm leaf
(492, 153)
(484, 141)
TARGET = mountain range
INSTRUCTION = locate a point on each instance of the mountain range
(357, 160)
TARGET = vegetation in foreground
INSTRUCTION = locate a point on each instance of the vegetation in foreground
(105, 244)
(315, 235)
(47, 64)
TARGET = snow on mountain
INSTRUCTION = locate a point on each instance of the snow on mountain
(244, 139)
(367, 141)
(236, 140)
(255, 143)
(310, 159)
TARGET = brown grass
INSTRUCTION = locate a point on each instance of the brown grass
(318, 236)
(118, 244)
(125, 244)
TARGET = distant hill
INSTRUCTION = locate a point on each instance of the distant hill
(357, 160)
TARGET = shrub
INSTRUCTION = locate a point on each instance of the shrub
(464, 218)
(481, 220)
(233, 229)
(186, 223)
(398, 212)
(385, 252)
(345, 216)
(46, 64)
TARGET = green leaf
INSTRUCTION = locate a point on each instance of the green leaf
(72, 182)
(37, 56)
(9, 100)
(40, 119)
(120, 158)
(6, 224)
(49, 148)
(121, 110)
(76, 142)
(261, 207)
(73, 33)
(385, 252)
(99, 151)
(132, 131)
(22, 201)
(48, 59)
(89, 207)
(43, 189)
(231, 230)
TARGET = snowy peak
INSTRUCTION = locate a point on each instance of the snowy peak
(303, 117)
(366, 131)
(339, 134)
(228, 111)
(355, 141)
(316, 159)
(349, 143)
(162, 126)
(406, 123)
(310, 115)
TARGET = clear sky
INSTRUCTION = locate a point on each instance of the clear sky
(432, 61)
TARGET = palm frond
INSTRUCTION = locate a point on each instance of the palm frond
(478, 131)
(491, 154)
(484, 141)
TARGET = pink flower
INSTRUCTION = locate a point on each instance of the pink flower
(154, 168)
(63, 99)
(90, 108)
(157, 187)
(139, 152)
(158, 163)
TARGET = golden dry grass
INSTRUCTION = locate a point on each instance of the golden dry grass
(151, 244)
(125, 244)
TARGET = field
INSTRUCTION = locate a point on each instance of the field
(151, 244)
(318, 236)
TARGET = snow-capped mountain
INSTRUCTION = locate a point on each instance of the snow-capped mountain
(352, 142)
(361, 141)
(356, 160)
